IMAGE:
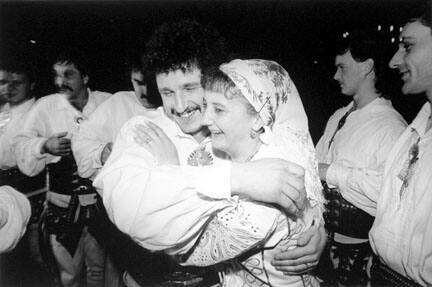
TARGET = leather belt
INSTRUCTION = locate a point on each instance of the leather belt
(25, 184)
(64, 179)
(343, 217)
(383, 276)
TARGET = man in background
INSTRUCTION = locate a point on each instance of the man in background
(351, 155)
(45, 142)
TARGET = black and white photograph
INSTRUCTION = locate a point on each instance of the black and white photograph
(215, 143)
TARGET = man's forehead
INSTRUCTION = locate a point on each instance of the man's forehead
(180, 76)
(416, 30)
(63, 66)
(344, 58)
(137, 75)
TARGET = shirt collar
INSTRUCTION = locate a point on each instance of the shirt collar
(374, 105)
(420, 122)
(64, 103)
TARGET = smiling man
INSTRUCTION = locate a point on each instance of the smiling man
(351, 155)
(402, 232)
(44, 142)
(143, 195)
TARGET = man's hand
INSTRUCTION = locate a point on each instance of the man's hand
(57, 144)
(305, 256)
(322, 169)
(106, 152)
(270, 180)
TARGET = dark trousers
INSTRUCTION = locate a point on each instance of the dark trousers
(146, 267)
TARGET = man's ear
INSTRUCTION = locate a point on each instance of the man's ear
(86, 79)
(368, 66)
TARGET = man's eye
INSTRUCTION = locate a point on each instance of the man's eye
(140, 83)
(218, 110)
(189, 89)
(166, 94)
(407, 46)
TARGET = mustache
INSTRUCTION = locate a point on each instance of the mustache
(63, 88)
(187, 110)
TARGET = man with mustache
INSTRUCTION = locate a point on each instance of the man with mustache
(133, 186)
(92, 146)
(351, 155)
(45, 141)
(93, 142)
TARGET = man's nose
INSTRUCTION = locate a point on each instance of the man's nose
(10, 86)
(58, 81)
(396, 60)
(336, 75)
(179, 102)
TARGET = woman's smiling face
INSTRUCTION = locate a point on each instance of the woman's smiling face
(230, 122)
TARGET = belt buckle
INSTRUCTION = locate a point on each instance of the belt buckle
(81, 188)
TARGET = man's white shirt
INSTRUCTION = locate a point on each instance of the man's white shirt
(402, 232)
(359, 150)
(102, 127)
(15, 117)
(49, 115)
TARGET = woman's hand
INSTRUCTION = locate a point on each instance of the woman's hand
(154, 139)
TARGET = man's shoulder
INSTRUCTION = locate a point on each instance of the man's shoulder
(102, 94)
(385, 113)
(157, 117)
(116, 100)
(50, 100)
(340, 112)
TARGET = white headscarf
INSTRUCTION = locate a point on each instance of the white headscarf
(270, 90)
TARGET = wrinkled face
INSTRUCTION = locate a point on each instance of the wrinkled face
(230, 123)
(14, 87)
(182, 97)
(69, 80)
(139, 86)
(349, 74)
(413, 59)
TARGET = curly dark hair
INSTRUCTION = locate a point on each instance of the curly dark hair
(183, 45)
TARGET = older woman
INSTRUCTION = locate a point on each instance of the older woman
(252, 110)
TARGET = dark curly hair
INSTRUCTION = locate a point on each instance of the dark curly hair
(183, 45)
(75, 56)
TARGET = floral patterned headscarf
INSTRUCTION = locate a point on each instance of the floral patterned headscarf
(270, 90)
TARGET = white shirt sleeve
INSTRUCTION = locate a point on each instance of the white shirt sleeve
(160, 207)
(361, 186)
(89, 141)
(29, 141)
(14, 215)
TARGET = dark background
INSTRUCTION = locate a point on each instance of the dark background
(299, 34)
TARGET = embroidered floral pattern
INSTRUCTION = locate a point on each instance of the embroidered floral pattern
(200, 157)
